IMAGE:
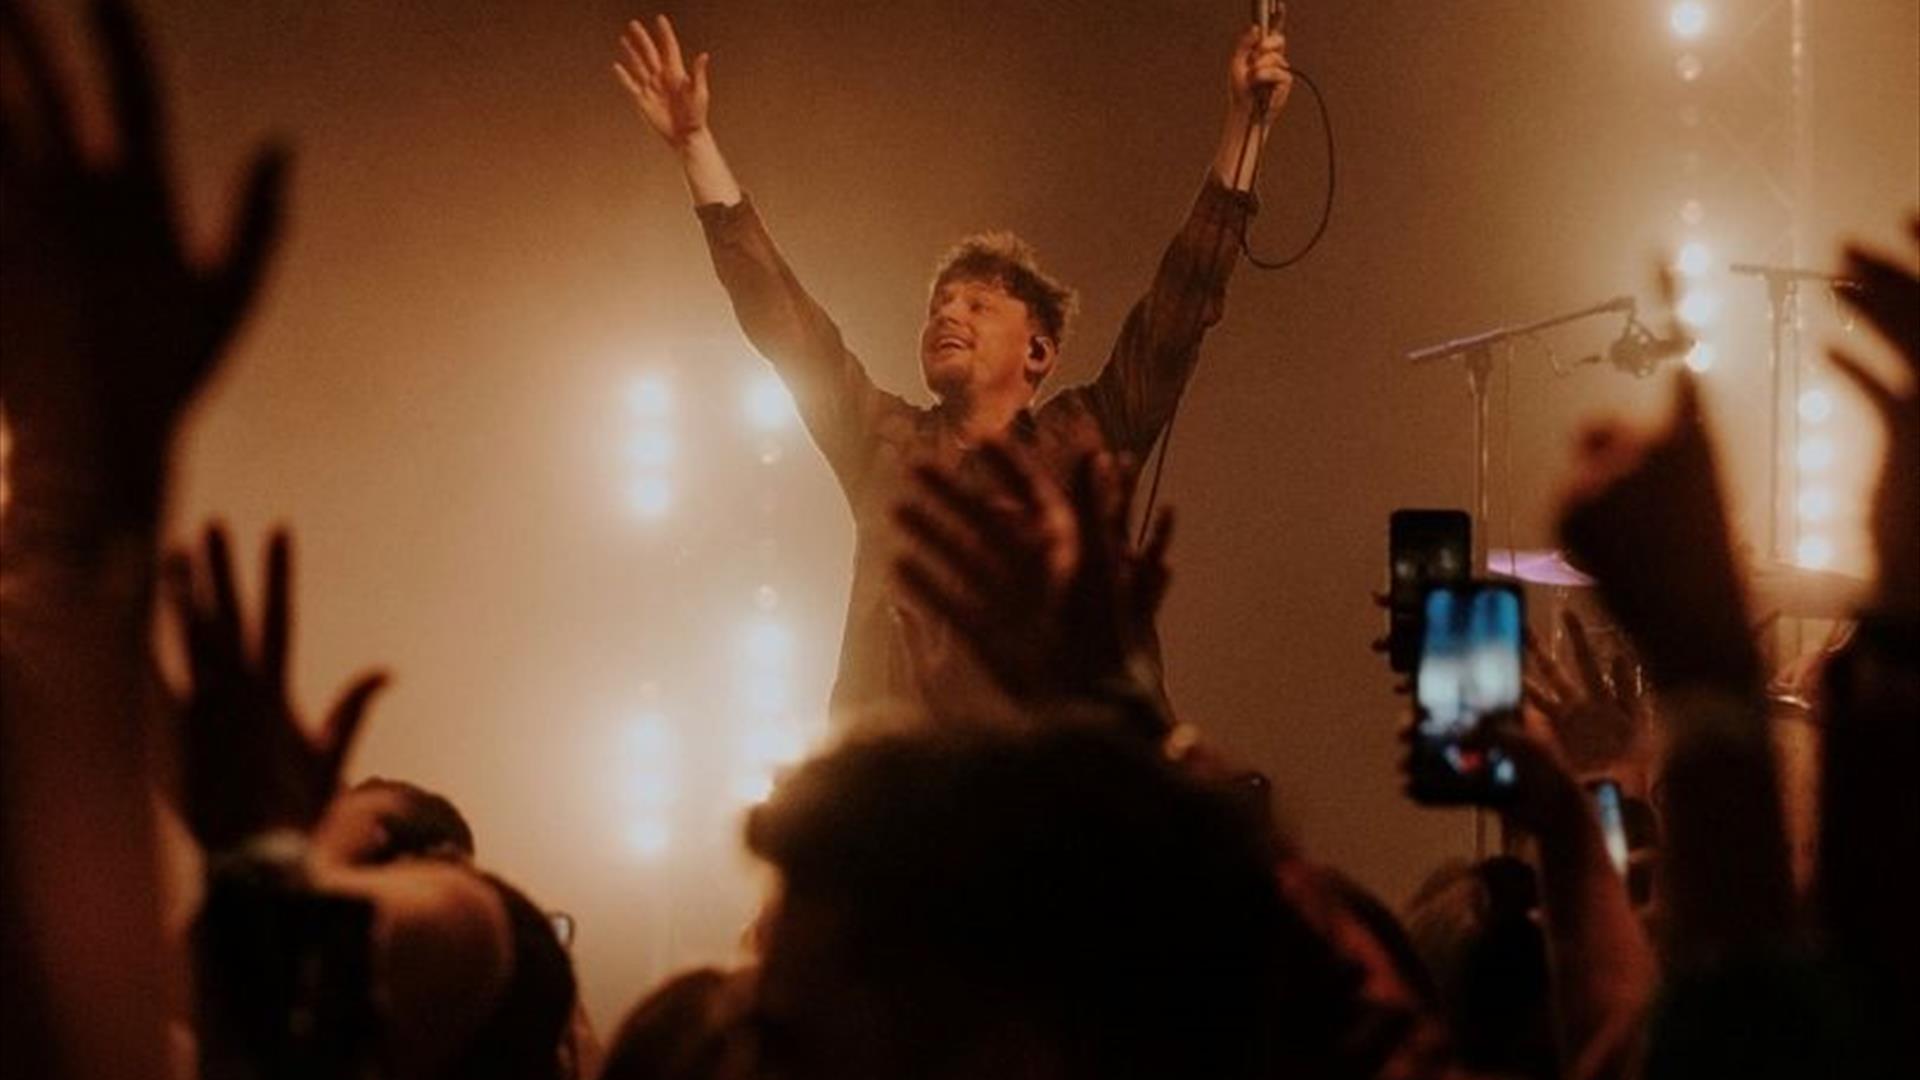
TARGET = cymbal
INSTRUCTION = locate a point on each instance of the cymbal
(1797, 592)
(1538, 567)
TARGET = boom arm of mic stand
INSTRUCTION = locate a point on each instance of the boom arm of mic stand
(1493, 337)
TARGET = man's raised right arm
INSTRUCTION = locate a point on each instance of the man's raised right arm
(835, 398)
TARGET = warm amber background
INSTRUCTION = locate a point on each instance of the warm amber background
(486, 249)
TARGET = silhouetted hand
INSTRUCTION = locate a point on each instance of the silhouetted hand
(111, 326)
(1890, 300)
(1645, 516)
(1042, 586)
(1599, 719)
(248, 765)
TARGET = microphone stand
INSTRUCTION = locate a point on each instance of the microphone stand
(1783, 354)
(1477, 351)
(1783, 431)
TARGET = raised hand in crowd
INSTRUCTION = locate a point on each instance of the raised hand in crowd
(112, 324)
(1602, 718)
(1645, 515)
(1040, 584)
(110, 328)
(1869, 825)
(1889, 297)
(249, 764)
(673, 98)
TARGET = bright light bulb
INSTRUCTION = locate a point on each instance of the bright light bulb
(767, 643)
(1694, 259)
(1688, 19)
(649, 838)
(1815, 406)
(765, 692)
(653, 447)
(772, 743)
(1700, 358)
(1814, 454)
(768, 405)
(1699, 308)
(1814, 552)
(651, 496)
(650, 397)
(1815, 504)
(753, 786)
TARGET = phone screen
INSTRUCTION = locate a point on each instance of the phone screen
(1424, 548)
(1468, 676)
(1613, 824)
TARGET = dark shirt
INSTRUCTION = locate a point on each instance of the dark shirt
(871, 438)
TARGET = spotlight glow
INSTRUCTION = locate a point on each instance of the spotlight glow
(1694, 259)
(1815, 454)
(1815, 504)
(1700, 358)
(650, 397)
(652, 447)
(752, 786)
(1814, 552)
(1688, 67)
(1688, 19)
(767, 643)
(772, 743)
(651, 496)
(649, 838)
(1699, 308)
(1815, 406)
(765, 691)
(767, 404)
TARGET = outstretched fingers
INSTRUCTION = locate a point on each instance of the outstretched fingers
(277, 612)
(673, 61)
(1890, 300)
(20, 33)
(345, 720)
(255, 236)
(136, 106)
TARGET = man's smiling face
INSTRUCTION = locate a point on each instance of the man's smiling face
(977, 339)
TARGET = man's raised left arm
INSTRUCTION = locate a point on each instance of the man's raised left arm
(1134, 395)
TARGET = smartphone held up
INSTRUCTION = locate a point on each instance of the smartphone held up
(1466, 684)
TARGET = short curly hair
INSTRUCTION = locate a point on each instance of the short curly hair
(1006, 260)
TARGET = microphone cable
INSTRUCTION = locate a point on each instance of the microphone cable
(1159, 463)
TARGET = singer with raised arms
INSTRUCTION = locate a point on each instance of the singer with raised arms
(995, 325)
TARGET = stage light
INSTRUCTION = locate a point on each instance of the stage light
(1700, 358)
(752, 786)
(1699, 308)
(1814, 552)
(649, 837)
(1694, 259)
(651, 496)
(772, 743)
(1688, 19)
(1814, 454)
(650, 397)
(765, 691)
(768, 405)
(1815, 405)
(652, 447)
(767, 643)
(1815, 504)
